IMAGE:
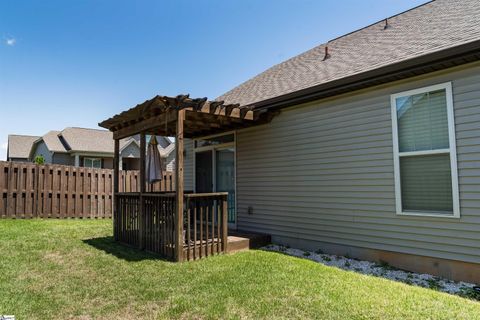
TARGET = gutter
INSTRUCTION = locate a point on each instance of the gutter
(439, 60)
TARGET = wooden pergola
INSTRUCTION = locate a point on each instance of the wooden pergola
(182, 117)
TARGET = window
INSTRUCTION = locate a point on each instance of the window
(425, 159)
(92, 163)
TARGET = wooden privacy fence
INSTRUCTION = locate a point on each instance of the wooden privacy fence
(55, 191)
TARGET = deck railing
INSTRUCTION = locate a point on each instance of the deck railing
(204, 225)
(159, 234)
(126, 219)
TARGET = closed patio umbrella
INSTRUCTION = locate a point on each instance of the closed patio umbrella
(154, 165)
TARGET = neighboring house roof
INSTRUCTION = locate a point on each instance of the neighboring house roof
(165, 152)
(19, 146)
(427, 29)
(81, 140)
(126, 142)
(91, 140)
(165, 145)
(53, 143)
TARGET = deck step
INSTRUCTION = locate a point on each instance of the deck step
(241, 241)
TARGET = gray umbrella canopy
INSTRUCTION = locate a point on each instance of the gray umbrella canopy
(154, 162)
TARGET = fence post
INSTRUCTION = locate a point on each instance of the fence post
(36, 176)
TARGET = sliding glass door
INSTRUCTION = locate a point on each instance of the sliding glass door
(225, 178)
(215, 169)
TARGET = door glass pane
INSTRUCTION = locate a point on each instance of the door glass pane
(422, 121)
(426, 183)
(225, 178)
(203, 172)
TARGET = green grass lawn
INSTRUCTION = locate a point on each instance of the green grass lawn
(57, 269)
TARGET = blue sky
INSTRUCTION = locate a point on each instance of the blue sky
(75, 63)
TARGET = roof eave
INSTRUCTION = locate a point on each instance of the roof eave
(439, 60)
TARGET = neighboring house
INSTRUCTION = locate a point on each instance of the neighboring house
(383, 129)
(19, 146)
(84, 148)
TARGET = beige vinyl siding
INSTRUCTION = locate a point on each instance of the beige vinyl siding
(188, 164)
(322, 173)
(170, 160)
(63, 158)
(42, 149)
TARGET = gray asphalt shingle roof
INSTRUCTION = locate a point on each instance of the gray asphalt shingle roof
(19, 145)
(52, 141)
(431, 27)
(92, 140)
(78, 139)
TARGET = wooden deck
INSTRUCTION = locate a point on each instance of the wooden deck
(241, 241)
(149, 221)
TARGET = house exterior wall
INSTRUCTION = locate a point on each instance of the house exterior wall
(18, 159)
(63, 158)
(335, 183)
(107, 163)
(333, 186)
(42, 149)
(130, 151)
(188, 170)
(170, 161)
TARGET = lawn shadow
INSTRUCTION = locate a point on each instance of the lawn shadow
(121, 251)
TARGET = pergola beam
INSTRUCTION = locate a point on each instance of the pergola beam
(156, 122)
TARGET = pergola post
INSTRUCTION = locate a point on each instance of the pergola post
(116, 185)
(179, 185)
(141, 211)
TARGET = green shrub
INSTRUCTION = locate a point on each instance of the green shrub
(39, 160)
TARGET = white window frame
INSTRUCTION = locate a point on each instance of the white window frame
(452, 151)
(92, 160)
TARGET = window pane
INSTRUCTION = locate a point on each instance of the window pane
(426, 183)
(97, 163)
(422, 121)
(87, 163)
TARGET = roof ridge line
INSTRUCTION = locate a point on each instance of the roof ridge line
(374, 23)
(82, 128)
(22, 135)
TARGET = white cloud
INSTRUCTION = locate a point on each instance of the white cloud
(4, 146)
(11, 42)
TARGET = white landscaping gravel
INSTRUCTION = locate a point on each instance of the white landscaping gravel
(375, 269)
